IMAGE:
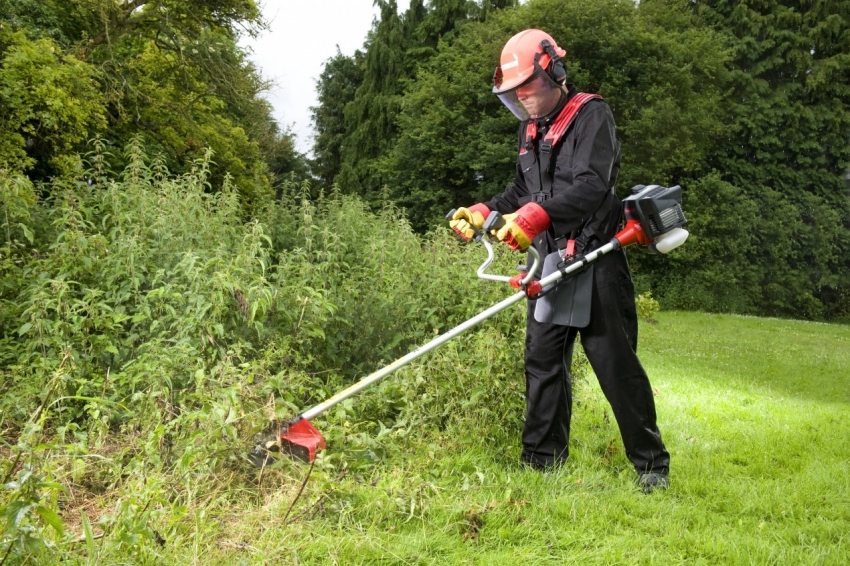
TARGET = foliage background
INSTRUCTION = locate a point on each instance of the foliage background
(741, 103)
(173, 275)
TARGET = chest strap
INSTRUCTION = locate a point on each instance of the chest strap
(564, 119)
(556, 131)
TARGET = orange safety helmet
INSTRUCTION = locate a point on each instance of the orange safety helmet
(525, 53)
(530, 54)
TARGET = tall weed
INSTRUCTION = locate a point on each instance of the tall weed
(153, 329)
(150, 293)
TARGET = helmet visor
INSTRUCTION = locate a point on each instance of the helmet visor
(534, 98)
(513, 103)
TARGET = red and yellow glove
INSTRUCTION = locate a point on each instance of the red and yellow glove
(466, 221)
(522, 226)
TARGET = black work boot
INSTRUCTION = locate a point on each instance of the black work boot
(650, 481)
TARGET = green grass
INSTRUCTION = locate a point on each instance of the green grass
(754, 412)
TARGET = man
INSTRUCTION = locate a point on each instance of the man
(562, 201)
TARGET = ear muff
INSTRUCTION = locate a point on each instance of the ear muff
(556, 67)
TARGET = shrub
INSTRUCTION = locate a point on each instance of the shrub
(647, 307)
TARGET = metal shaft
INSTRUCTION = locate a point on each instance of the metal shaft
(372, 378)
(403, 361)
(553, 278)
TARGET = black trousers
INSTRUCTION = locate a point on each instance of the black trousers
(610, 343)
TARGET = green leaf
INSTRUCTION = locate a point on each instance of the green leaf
(87, 532)
(15, 513)
(50, 517)
(27, 232)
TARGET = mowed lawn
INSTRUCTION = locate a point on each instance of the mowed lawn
(756, 414)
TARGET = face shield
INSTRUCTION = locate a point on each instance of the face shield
(534, 98)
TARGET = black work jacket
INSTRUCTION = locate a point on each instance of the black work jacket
(573, 181)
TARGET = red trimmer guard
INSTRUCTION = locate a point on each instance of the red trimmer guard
(301, 440)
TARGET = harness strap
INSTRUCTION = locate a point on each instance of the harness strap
(565, 118)
(558, 127)
(530, 135)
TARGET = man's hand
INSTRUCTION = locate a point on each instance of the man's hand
(522, 226)
(466, 221)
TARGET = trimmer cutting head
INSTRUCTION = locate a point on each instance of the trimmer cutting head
(298, 439)
(301, 440)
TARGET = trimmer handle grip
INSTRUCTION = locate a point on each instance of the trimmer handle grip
(494, 222)
(478, 233)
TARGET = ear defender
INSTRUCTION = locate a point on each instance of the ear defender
(556, 68)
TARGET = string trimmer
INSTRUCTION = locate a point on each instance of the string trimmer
(654, 219)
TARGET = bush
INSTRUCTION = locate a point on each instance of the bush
(647, 307)
(148, 331)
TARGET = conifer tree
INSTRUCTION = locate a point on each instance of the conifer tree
(336, 87)
(396, 47)
(369, 117)
(788, 147)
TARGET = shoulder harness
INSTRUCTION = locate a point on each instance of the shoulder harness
(559, 126)
(553, 136)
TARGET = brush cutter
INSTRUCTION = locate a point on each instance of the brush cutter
(654, 219)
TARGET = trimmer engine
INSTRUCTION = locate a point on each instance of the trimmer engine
(654, 218)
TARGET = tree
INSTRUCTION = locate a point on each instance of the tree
(455, 143)
(788, 147)
(370, 115)
(396, 47)
(172, 72)
(336, 88)
(51, 105)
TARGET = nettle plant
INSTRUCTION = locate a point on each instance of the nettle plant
(148, 291)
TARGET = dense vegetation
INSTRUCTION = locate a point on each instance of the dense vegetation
(743, 104)
(145, 321)
(173, 275)
(169, 72)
